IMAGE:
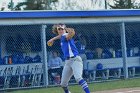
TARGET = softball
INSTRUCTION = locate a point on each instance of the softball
(49, 43)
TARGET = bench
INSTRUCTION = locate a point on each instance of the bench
(105, 73)
(134, 71)
(112, 68)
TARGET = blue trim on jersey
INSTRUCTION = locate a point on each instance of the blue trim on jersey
(68, 47)
(62, 14)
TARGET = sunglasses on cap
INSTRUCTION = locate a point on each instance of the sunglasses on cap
(60, 27)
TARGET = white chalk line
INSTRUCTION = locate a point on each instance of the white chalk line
(131, 91)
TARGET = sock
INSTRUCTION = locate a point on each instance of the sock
(84, 85)
(65, 89)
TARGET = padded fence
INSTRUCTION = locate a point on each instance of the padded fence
(99, 44)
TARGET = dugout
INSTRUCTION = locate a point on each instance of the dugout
(112, 38)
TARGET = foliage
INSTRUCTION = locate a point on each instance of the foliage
(124, 4)
(34, 5)
(76, 5)
(71, 5)
(137, 6)
(30, 5)
(11, 5)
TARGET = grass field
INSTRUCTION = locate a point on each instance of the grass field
(129, 83)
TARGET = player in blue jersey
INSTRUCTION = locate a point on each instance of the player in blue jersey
(73, 62)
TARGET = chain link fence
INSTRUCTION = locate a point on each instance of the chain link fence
(100, 45)
(21, 56)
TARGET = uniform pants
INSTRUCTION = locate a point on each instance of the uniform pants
(73, 66)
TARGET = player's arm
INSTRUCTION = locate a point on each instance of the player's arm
(56, 37)
(50, 42)
(70, 32)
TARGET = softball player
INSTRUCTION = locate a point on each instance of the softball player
(73, 62)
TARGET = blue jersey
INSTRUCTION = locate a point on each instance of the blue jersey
(68, 47)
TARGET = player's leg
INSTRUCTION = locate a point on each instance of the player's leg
(66, 75)
(77, 68)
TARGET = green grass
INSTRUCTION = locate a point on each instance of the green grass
(129, 83)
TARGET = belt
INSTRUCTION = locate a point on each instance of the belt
(70, 57)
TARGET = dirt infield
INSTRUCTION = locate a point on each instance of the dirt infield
(124, 90)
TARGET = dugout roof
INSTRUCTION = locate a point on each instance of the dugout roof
(72, 17)
(59, 14)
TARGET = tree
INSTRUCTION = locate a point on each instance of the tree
(137, 6)
(123, 4)
(56, 5)
(4, 5)
(11, 5)
(77, 5)
(35, 5)
(30, 5)
(59, 5)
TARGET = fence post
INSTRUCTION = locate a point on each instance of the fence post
(44, 52)
(124, 52)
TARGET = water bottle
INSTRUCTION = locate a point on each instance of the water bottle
(131, 52)
(10, 60)
(113, 54)
(6, 59)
